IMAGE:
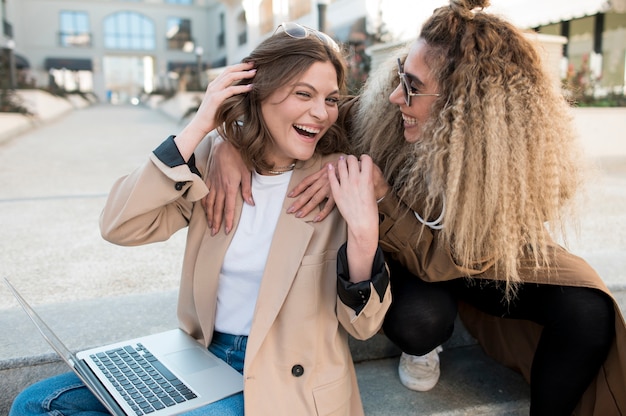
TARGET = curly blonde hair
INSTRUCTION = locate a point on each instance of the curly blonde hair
(499, 147)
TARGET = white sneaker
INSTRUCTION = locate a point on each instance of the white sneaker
(420, 372)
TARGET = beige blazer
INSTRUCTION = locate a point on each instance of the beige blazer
(299, 322)
(510, 341)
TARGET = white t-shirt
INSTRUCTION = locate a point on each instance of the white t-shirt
(244, 262)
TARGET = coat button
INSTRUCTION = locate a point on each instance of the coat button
(297, 370)
(179, 185)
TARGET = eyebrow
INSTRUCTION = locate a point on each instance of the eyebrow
(305, 84)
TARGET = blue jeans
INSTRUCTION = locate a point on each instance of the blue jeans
(66, 395)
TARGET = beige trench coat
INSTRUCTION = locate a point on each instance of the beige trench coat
(511, 342)
(299, 319)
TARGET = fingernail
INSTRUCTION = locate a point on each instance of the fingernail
(290, 210)
(213, 232)
(227, 230)
(316, 219)
(250, 201)
(290, 194)
(299, 214)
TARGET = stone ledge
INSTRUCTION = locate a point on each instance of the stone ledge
(471, 382)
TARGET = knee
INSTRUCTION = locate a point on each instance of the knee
(27, 403)
(418, 343)
(418, 332)
(600, 320)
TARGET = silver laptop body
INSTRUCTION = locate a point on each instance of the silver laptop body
(162, 374)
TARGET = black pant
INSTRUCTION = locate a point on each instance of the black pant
(578, 328)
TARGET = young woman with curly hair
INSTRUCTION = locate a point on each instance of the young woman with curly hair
(493, 157)
(478, 168)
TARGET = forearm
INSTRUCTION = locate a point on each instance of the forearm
(190, 137)
(361, 249)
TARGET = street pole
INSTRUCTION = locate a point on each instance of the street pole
(7, 30)
(322, 5)
(12, 74)
(199, 51)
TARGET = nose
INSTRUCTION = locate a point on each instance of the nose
(318, 109)
(396, 96)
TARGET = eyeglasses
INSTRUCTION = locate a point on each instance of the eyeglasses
(406, 86)
(297, 31)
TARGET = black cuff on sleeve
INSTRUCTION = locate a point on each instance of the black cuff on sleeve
(356, 295)
(168, 153)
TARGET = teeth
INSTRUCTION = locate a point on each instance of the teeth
(307, 129)
(409, 120)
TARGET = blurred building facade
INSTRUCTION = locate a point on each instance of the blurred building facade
(121, 49)
(595, 47)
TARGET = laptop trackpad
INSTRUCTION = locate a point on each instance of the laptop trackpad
(191, 361)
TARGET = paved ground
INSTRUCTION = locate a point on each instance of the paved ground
(54, 181)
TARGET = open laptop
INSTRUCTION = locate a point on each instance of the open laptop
(162, 374)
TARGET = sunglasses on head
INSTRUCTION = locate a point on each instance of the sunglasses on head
(297, 31)
(406, 86)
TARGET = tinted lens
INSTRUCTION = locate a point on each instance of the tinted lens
(406, 88)
(295, 30)
(327, 40)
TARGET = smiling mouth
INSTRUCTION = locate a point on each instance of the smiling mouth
(306, 131)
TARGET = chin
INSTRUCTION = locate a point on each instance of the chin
(411, 138)
(304, 154)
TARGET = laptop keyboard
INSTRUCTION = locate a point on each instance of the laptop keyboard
(144, 382)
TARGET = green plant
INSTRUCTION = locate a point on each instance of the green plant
(581, 86)
(10, 102)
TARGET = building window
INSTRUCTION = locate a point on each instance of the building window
(179, 34)
(188, 2)
(74, 29)
(129, 30)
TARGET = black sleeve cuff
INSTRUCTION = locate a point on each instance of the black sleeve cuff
(356, 295)
(168, 153)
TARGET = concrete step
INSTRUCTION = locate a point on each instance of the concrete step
(471, 383)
